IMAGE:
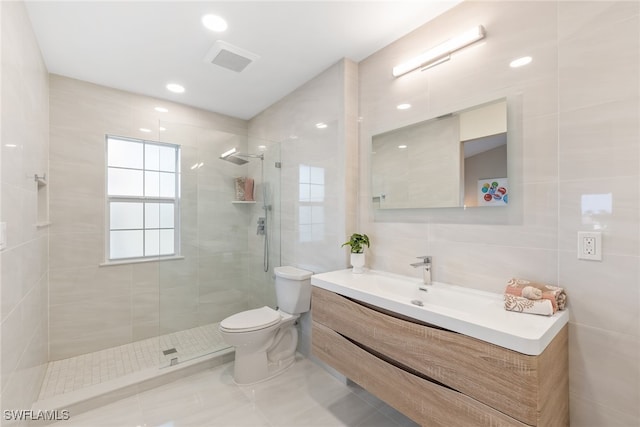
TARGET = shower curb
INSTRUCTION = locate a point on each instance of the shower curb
(92, 397)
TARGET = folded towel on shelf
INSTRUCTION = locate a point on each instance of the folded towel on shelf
(240, 185)
(248, 189)
(526, 305)
(533, 297)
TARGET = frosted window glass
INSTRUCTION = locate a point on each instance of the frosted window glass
(304, 174)
(304, 193)
(317, 232)
(316, 193)
(317, 176)
(125, 244)
(317, 213)
(152, 215)
(124, 154)
(304, 233)
(152, 184)
(151, 242)
(151, 157)
(124, 182)
(167, 184)
(167, 242)
(304, 215)
(125, 215)
(167, 159)
(167, 211)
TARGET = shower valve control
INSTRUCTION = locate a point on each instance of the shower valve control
(261, 225)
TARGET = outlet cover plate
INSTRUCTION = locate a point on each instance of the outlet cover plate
(590, 245)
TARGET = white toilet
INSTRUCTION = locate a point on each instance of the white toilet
(265, 340)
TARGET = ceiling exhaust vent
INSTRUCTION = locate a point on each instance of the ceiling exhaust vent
(228, 56)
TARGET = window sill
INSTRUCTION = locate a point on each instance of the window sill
(140, 261)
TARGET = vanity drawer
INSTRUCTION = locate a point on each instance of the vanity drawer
(531, 389)
(425, 402)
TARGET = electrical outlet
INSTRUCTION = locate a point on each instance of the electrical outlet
(590, 245)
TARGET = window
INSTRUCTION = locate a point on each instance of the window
(311, 207)
(143, 194)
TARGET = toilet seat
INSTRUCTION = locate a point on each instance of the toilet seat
(251, 320)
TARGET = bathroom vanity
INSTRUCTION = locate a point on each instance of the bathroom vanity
(450, 356)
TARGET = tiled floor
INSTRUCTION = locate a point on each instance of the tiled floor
(304, 395)
(64, 376)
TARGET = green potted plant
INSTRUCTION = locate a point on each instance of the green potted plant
(357, 242)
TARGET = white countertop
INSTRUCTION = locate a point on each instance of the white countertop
(467, 311)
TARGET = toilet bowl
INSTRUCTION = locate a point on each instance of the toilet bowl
(265, 339)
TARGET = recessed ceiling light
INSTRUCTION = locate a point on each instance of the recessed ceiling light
(403, 106)
(214, 23)
(161, 110)
(402, 146)
(321, 125)
(175, 88)
(145, 130)
(520, 62)
(10, 145)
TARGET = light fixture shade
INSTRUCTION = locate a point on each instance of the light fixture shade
(441, 51)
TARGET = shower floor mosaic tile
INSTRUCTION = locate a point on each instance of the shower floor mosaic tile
(74, 373)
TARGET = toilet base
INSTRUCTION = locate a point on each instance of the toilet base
(251, 367)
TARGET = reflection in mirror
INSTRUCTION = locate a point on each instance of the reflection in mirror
(455, 160)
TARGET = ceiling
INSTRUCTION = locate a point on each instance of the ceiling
(142, 46)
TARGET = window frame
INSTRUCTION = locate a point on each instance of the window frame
(109, 199)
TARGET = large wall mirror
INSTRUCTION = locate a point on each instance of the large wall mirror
(455, 160)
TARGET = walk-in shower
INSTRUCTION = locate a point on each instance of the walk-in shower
(238, 158)
(170, 308)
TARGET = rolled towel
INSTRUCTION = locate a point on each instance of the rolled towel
(248, 189)
(554, 294)
(531, 292)
(240, 183)
(526, 305)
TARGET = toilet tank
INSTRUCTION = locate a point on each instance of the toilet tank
(293, 289)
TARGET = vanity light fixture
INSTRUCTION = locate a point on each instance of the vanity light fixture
(403, 106)
(520, 62)
(402, 147)
(441, 52)
(175, 88)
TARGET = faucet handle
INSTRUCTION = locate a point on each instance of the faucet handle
(426, 258)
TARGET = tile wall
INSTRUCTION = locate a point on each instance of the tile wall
(575, 133)
(24, 148)
(93, 307)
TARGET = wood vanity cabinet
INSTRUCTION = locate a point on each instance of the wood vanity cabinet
(438, 377)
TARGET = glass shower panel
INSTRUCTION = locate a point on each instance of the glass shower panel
(220, 268)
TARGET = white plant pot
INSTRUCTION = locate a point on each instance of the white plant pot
(357, 262)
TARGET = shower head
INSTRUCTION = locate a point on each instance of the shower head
(234, 157)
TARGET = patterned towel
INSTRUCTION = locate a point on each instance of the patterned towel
(531, 297)
(526, 305)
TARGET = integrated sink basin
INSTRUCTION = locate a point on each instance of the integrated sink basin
(471, 312)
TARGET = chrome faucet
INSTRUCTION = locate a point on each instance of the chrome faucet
(426, 272)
